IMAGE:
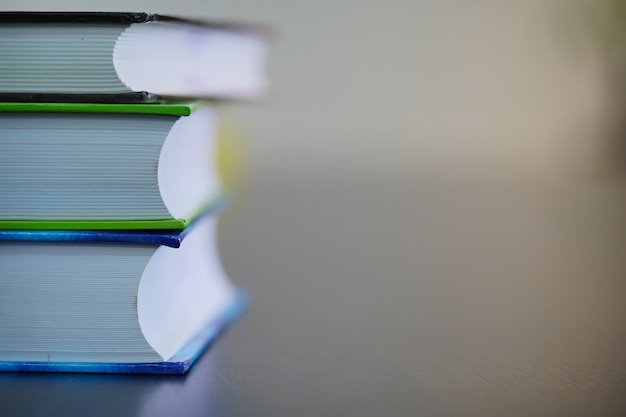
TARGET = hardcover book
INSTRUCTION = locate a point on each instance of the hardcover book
(109, 188)
(127, 57)
(82, 301)
(106, 166)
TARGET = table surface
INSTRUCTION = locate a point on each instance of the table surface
(397, 299)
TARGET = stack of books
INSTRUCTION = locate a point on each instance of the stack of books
(109, 192)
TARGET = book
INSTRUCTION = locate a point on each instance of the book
(106, 166)
(83, 301)
(127, 57)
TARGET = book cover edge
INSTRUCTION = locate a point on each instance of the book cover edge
(173, 109)
(73, 17)
(128, 18)
(17, 232)
(92, 225)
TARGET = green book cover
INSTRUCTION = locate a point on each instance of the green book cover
(86, 166)
(165, 224)
(172, 108)
(214, 205)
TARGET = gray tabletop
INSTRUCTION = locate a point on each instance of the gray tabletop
(397, 299)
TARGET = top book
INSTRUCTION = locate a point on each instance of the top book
(127, 57)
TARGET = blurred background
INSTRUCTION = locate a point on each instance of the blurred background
(526, 91)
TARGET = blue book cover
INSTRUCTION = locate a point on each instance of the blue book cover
(231, 306)
(179, 364)
(171, 238)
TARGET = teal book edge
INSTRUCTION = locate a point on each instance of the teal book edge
(179, 364)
